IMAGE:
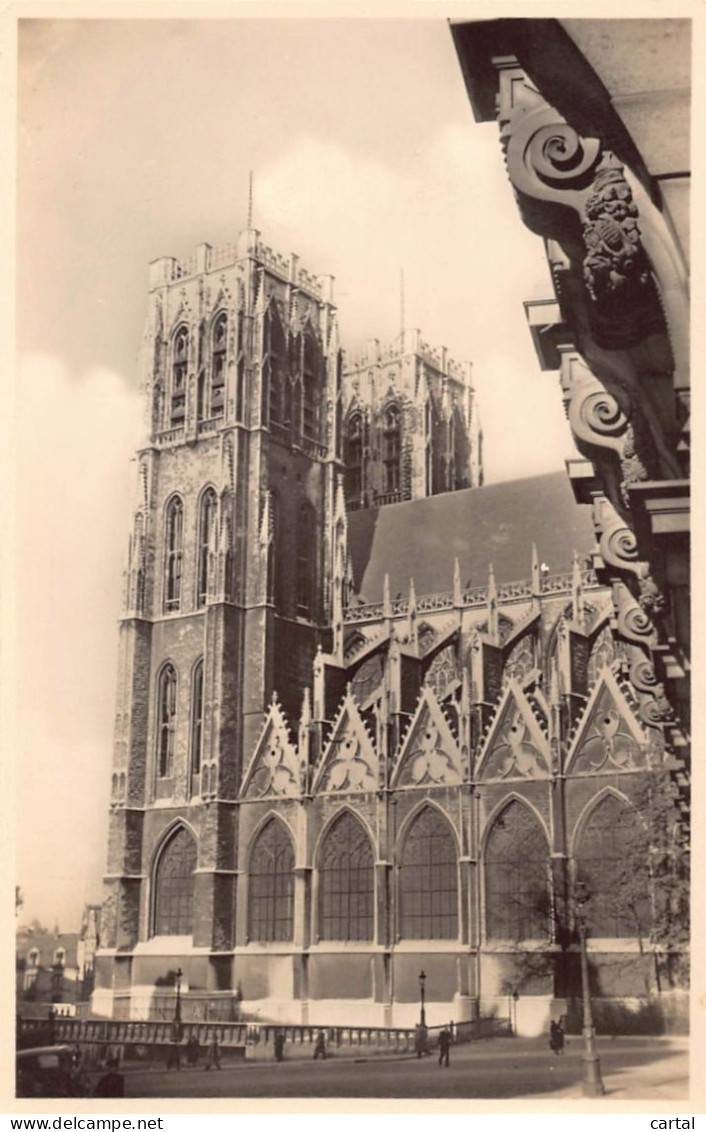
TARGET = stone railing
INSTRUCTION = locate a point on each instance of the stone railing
(169, 436)
(125, 1036)
(211, 425)
(470, 598)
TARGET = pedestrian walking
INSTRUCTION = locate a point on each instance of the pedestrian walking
(112, 1083)
(556, 1037)
(444, 1047)
(320, 1047)
(213, 1057)
(174, 1055)
(279, 1045)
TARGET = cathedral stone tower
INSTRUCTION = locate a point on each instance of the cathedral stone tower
(411, 426)
(225, 600)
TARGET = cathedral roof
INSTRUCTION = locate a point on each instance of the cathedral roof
(497, 524)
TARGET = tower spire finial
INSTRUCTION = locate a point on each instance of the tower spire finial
(250, 200)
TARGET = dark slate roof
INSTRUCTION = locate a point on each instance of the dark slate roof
(495, 524)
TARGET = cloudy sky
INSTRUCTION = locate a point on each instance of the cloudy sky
(135, 140)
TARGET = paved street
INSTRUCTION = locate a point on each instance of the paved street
(633, 1069)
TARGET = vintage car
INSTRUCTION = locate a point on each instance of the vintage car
(47, 1071)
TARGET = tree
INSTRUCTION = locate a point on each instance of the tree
(638, 880)
(650, 884)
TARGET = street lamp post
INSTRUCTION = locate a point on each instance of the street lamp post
(422, 1045)
(592, 1080)
(177, 1004)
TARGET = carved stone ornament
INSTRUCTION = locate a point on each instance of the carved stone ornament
(633, 622)
(615, 262)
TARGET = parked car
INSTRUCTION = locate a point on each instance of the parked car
(47, 1071)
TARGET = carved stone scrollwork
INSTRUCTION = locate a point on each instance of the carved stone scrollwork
(546, 156)
(633, 622)
(617, 543)
(614, 261)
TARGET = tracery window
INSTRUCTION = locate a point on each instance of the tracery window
(179, 370)
(273, 578)
(346, 882)
(520, 662)
(310, 390)
(174, 540)
(367, 679)
(442, 673)
(391, 449)
(275, 367)
(174, 886)
(219, 342)
(517, 891)
(166, 720)
(197, 719)
(428, 880)
(207, 519)
(607, 842)
(602, 653)
(353, 458)
(306, 558)
(271, 886)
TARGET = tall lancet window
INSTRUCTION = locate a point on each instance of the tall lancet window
(166, 720)
(346, 882)
(271, 885)
(174, 886)
(196, 720)
(391, 450)
(428, 880)
(207, 521)
(310, 383)
(174, 542)
(306, 559)
(179, 370)
(353, 458)
(218, 364)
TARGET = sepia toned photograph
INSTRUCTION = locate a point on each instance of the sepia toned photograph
(352, 466)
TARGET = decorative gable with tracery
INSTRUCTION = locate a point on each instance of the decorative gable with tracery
(609, 738)
(274, 767)
(349, 763)
(429, 755)
(516, 746)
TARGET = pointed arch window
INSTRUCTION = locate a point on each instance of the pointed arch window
(274, 579)
(391, 449)
(166, 720)
(346, 882)
(240, 379)
(353, 457)
(310, 382)
(219, 344)
(517, 894)
(196, 721)
(616, 876)
(306, 559)
(428, 880)
(174, 542)
(207, 523)
(174, 886)
(179, 370)
(271, 886)
(275, 366)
